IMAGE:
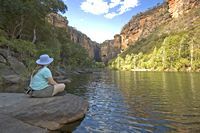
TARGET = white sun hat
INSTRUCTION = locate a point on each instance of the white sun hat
(44, 60)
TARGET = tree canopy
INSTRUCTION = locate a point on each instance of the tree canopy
(25, 29)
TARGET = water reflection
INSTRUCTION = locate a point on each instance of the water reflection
(126, 102)
(123, 101)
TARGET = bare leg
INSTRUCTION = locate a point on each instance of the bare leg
(58, 88)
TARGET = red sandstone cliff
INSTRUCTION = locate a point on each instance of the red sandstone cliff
(57, 20)
(75, 35)
(110, 48)
(138, 27)
(180, 7)
(143, 24)
(82, 39)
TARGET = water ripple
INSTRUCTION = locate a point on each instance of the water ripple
(135, 102)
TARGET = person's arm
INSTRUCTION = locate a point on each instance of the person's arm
(52, 81)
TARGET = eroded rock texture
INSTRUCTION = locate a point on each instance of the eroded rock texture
(47, 113)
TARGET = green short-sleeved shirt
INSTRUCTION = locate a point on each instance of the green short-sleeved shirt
(40, 79)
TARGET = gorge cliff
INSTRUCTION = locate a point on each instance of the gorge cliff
(76, 36)
(80, 38)
(180, 7)
(143, 24)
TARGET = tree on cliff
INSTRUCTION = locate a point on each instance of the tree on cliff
(22, 18)
(25, 29)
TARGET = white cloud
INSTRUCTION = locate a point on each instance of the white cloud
(110, 15)
(99, 7)
(96, 7)
(114, 3)
(127, 5)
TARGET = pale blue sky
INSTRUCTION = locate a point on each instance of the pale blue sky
(102, 19)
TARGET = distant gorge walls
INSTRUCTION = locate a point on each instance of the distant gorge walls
(140, 26)
(76, 36)
(80, 38)
(143, 24)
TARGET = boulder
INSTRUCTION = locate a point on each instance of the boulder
(5, 70)
(4, 52)
(11, 125)
(16, 65)
(11, 79)
(2, 59)
(48, 113)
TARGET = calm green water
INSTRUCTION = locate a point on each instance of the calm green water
(131, 102)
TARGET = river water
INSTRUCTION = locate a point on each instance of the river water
(132, 102)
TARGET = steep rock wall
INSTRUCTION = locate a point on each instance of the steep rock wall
(179, 7)
(57, 20)
(75, 35)
(83, 40)
(138, 27)
(109, 49)
(143, 24)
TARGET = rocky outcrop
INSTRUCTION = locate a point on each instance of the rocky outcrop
(39, 114)
(179, 7)
(11, 125)
(11, 69)
(2, 59)
(57, 20)
(75, 35)
(117, 41)
(108, 50)
(16, 65)
(138, 27)
(97, 53)
(143, 24)
(83, 40)
(11, 79)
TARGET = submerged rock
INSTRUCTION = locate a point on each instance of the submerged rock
(48, 113)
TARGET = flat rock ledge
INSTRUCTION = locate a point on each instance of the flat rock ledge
(20, 113)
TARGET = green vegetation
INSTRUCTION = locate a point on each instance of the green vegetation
(24, 29)
(174, 46)
(98, 65)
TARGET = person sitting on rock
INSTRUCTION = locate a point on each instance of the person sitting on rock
(42, 83)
